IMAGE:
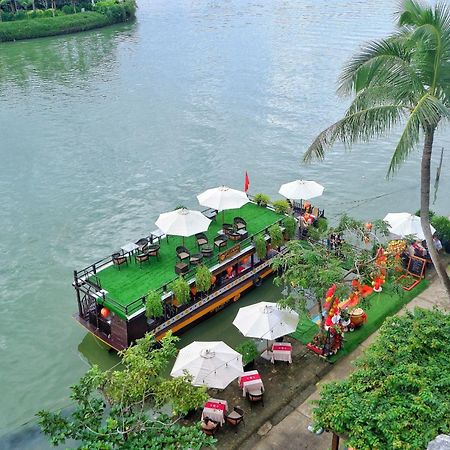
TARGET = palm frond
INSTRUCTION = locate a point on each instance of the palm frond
(427, 113)
(359, 126)
(380, 63)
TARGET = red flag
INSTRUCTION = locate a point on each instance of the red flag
(246, 182)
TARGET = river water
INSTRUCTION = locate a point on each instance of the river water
(101, 131)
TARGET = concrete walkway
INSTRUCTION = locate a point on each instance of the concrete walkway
(292, 433)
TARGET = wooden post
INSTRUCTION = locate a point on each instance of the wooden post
(335, 442)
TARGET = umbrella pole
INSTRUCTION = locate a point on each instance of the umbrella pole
(223, 216)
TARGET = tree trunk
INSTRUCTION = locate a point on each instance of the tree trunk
(425, 208)
(34, 5)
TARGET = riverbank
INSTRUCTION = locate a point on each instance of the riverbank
(68, 23)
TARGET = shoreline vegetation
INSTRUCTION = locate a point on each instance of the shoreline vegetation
(17, 24)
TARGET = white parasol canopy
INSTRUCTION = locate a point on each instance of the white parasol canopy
(301, 190)
(222, 198)
(211, 364)
(265, 320)
(182, 222)
(404, 224)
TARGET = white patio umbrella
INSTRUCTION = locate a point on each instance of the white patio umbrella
(182, 222)
(222, 198)
(404, 224)
(265, 320)
(301, 190)
(211, 364)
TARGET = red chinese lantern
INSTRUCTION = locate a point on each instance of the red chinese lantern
(104, 313)
(368, 226)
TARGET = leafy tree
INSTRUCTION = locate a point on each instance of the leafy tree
(110, 409)
(398, 396)
(405, 76)
(281, 206)
(290, 225)
(261, 246)
(202, 278)
(310, 268)
(276, 235)
(180, 288)
(154, 307)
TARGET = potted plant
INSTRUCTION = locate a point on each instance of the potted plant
(260, 246)
(276, 235)
(290, 225)
(180, 288)
(262, 199)
(153, 307)
(281, 206)
(203, 278)
(249, 353)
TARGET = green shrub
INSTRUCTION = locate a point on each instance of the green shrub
(154, 307)
(260, 246)
(248, 351)
(430, 214)
(442, 225)
(20, 15)
(7, 16)
(180, 288)
(47, 25)
(202, 278)
(51, 26)
(290, 225)
(276, 235)
(66, 9)
(281, 206)
(262, 199)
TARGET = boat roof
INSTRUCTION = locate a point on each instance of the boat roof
(132, 281)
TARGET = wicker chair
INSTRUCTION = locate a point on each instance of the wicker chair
(209, 427)
(235, 417)
(256, 396)
(239, 223)
(142, 257)
(227, 228)
(202, 239)
(182, 253)
(220, 241)
(119, 259)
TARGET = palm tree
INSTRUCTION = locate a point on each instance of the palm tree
(403, 78)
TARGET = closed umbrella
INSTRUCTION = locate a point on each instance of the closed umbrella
(405, 224)
(182, 222)
(211, 364)
(222, 198)
(301, 190)
(265, 320)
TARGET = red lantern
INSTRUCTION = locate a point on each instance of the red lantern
(104, 312)
(368, 226)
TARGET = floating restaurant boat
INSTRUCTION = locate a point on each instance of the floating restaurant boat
(112, 293)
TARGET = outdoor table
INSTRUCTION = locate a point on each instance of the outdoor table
(282, 352)
(215, 410)
(250, 381)
(210, 213)
(157, 234)
(129, 248)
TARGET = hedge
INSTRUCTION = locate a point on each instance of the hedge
(65, 24)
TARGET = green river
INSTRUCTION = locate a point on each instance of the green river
(101, 131)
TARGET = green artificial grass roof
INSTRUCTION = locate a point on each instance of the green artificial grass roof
(380, 306)
(132, 281)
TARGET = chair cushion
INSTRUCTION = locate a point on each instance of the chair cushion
(183, 255)
(234, 415)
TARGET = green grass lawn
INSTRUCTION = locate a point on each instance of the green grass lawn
(132, 282)
(380, 306)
